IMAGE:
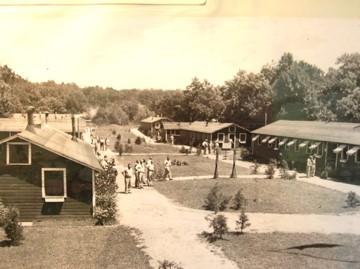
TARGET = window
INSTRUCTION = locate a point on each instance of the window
(220, 136)
(242, 138)
(53, 184)
(18, 153)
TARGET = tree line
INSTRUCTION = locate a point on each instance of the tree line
(286, 89)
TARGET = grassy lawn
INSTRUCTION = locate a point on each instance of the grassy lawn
(113, 130)
(74, 245)
(197, 165)
(263, 195)
(273, 250)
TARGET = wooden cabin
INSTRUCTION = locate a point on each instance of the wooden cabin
(45, 173)
(336, 146)
(153, 127)
(194, 133)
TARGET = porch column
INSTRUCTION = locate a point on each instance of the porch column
(93, 191)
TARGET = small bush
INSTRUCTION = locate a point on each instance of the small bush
(121, 149)
(118, 137)
(239, 200)
(352, 200)
(113, 132)
(271, 168)
(129, 141)
(219, 225)
(3, 213)
(106, 187)
(243, 222)
(12, 226)
(128, 148)
(138, 140)
(216, 200)
(255, 168)
(183, 150)
(166, 264)
(244, 154)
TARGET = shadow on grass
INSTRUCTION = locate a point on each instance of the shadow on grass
(5, 243)
(210, 237)
(316, 245)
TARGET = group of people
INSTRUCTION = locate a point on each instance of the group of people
(144, 173)
(100, 143)
(209, 147)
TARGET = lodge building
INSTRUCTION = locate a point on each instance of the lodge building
(336, 146)
(194, 133)
(153, 127)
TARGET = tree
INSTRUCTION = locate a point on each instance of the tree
(9, 103)
(247, 97)
(202, 101)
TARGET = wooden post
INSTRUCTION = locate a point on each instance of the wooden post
(93, 192)
(233, 171)
(216, 172)
(325, 157)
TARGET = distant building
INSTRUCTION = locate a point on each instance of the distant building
(336, 146)
(44, 171)
(62, 122)
(194, 133)
(153, 127)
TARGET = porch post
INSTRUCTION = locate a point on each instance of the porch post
(93, 191)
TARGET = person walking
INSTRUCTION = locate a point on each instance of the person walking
(150, 171)
(167, 165)
(127, 178)
(313, 166)
(143, 179)
(137, 169)
(309, 165)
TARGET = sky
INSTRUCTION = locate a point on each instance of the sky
(166, 46)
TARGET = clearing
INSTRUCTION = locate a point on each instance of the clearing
(295, 250)
(263, 195)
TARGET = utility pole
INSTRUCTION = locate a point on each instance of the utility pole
(233, 171)
(216, 172)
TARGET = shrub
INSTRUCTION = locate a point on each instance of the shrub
(12, 226)
(271, 168)
(118, 137)
(255, 168)
(239, 200)
(244, 154)
(216, 200)
(121, 149)
(198, 151)
(284, 168)
(106, 187)
(219, 225)
(352, 200)
(113, 132)
(183, 150)
(129, 141)
(138, 140)
(243, 222)
(128, 148)
(166, 264)
(3, 212)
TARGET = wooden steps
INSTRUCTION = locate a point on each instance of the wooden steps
(27, 198)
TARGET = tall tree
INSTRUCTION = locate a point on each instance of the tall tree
(247, 97)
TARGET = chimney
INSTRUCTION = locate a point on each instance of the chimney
(30, 118)
(73, 128)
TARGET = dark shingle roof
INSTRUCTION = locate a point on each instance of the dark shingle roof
(199, 126)
(335, 132)
(61, 144)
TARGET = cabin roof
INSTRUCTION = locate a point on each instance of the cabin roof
(153, 119)
(200, 126)
(61, 144)
(18, 122)
(335, 132)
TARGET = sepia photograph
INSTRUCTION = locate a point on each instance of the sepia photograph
(179, 134)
